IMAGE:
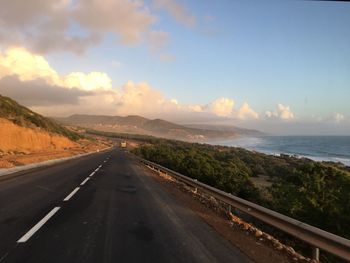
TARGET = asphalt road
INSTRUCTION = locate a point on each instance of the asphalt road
(77, 212)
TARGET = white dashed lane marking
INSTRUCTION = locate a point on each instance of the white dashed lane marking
(87, 179)
(35, 228)
(71, 194)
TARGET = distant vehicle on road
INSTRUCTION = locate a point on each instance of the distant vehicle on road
(123, 144)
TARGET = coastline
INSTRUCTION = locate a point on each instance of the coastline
(279, 145)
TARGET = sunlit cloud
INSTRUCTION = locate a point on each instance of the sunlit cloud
(338, 117)
(246, 112)
(89, 81)
(28, 66)
(283, 112)
(222, 107)
(31, 80)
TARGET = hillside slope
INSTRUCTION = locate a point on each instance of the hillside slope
(140, 125)
(27, 137)
(24, 117)
(17, 139)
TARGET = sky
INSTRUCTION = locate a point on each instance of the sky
(282, 67)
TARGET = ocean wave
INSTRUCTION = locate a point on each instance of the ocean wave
(330, 149)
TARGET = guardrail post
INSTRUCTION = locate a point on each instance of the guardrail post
(316, 253)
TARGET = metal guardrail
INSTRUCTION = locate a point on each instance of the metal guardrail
(317, 238)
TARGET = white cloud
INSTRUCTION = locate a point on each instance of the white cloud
(283, 112)
(90, 81)
(195, 108)
(338, 117)
(177, 10)
(246, 112)
(222, 107)
(29, 78)
(270, 114)
(28, 66)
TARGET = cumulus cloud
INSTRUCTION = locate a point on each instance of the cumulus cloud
(338, 117)
(30, 79)
(246, 112)
(222, 107)
(283, 112)
(91, 81)
(177, 10)
(45, 26)
(28, 66)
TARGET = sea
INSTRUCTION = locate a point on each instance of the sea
(318, 148)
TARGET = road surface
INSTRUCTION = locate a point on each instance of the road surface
(101, 208)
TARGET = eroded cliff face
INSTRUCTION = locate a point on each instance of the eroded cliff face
(19, 139)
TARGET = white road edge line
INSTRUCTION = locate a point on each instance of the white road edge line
(87, 179)
(38, 226)
(100, 166)
(96, 170)
(71, 194)
(92, 174)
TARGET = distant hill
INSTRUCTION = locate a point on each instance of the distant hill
(12, 111)
(161, 128)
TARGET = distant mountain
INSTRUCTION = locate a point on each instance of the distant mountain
(161, 128)
(24, 117)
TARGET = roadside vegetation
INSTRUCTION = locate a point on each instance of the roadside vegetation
(312, 192)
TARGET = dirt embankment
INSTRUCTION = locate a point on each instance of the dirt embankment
(14, 138)
(20, 146)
